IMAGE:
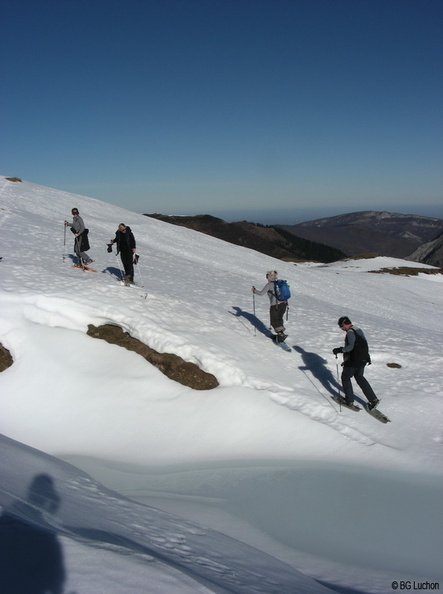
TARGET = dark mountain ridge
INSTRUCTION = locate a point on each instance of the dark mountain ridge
(412, 237)
(388, 234)
(268, 240)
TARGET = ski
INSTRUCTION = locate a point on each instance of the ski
(378, 415)
(131, 285)
(140, 288)
(342, 402)
(282, 345)
(84, 267)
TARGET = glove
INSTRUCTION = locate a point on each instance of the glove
(337, 350)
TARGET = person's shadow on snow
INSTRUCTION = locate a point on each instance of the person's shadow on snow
(252, 319)
(316, 365)
(31, 557)
(113, 271)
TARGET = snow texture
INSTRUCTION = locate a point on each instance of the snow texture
(261, 485)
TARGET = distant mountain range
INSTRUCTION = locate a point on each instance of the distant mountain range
(411, 237)
(385, 233)
(268, 240)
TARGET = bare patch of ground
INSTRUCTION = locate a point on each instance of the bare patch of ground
(171, 365)
(408, 271)
(6, 359)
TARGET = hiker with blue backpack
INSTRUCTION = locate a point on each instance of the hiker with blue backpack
(278, 293)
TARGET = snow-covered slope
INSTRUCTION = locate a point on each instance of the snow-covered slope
(267, 457)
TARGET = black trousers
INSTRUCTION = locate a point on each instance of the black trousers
(128, 264)
(276, 313)
(356, 373)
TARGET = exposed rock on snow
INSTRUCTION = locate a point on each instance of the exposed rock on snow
(5, 358)
(173, 366)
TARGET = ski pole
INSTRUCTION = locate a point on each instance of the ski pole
(64, 241)
(338, 381)
(328, 400)
(137, 263)
(121, 268)
(253, 309)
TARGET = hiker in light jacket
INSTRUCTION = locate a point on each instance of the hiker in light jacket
(81, 242)
(277, 308)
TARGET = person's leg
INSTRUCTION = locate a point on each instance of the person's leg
(77, 251)
(364, 384)
(86, 259)
(276, 313)
(128, 265)
(347, 374)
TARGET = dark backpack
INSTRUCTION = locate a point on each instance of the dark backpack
(282, 290)
(360, 353)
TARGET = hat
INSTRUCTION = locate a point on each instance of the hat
(344, 320)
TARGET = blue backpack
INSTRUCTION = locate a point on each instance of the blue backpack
(282, 290)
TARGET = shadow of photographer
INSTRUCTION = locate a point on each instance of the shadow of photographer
(31, 557)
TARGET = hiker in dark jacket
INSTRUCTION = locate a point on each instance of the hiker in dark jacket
(277, 308)
(355, 357)
(81, 242)
(126, 247)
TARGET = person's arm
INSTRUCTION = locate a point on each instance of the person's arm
(80, 227)
(133, 244)
(266, 288)
(349, 342)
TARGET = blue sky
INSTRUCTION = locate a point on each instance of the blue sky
(227, 106)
